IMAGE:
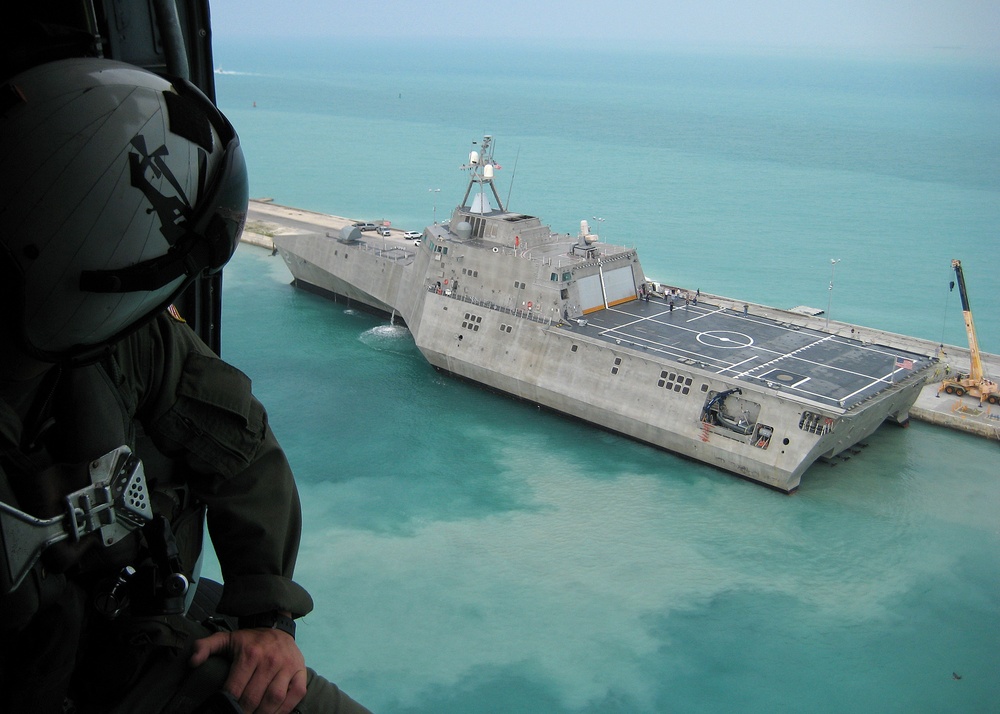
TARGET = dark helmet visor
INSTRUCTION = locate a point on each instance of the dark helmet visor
(213, 231)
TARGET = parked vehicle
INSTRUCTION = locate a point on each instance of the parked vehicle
(412, 235)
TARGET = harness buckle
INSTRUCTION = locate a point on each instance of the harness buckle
(116, 503)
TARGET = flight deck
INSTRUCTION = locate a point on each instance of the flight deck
(824, 368)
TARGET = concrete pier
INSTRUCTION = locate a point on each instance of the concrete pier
(267, 219)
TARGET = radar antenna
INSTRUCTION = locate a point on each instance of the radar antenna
(481, 169)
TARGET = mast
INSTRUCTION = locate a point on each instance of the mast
(482, 168)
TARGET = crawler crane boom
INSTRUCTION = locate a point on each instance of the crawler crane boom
(974, 383)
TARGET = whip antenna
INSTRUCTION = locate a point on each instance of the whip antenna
(512, 174)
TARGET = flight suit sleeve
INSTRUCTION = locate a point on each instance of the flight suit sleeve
(201, 410)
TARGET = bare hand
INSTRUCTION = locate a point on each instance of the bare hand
(268, 672)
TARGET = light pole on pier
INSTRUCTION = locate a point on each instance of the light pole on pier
(435, 190)
(829, 302)
(600, 227)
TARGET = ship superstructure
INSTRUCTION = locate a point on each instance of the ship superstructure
(573, 323)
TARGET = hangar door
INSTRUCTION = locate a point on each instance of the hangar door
(618, 287)
(591, 295)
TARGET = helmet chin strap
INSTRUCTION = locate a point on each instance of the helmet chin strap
(185, 258)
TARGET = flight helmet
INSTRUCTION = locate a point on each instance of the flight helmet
(118, 187)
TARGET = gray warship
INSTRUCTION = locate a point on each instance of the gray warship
(573, 324)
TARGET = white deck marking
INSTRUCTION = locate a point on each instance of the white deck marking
(658, 343)
(787, 355)
(707, 314)
(737, 364)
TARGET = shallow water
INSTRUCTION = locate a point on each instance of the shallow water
(471, 553)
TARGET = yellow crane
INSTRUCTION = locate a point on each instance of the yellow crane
(975, 384)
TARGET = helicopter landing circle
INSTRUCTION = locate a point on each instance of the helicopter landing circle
(725, 339)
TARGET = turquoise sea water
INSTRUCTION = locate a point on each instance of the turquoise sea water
(470, 553)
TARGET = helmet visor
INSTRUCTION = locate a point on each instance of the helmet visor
(212, 234)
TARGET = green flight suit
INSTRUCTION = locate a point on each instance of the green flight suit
(206, 448)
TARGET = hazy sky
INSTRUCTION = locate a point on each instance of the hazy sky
(969, 25)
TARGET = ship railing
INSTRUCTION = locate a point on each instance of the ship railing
(601, 254)
(395, 253)
(535, 315)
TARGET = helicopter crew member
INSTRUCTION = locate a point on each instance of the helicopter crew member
(121, 433)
